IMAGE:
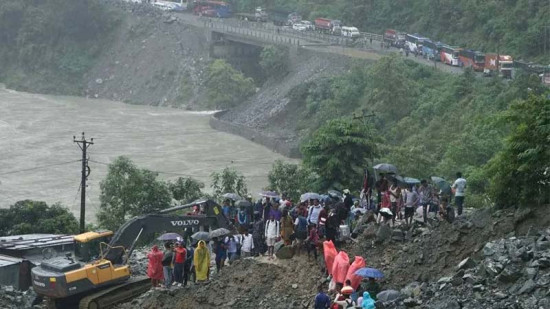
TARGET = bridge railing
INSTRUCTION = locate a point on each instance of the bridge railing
(268, 32)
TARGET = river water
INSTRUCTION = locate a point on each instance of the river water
(39, 160)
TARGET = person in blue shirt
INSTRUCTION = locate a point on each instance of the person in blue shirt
(226, 209)
(322, 301)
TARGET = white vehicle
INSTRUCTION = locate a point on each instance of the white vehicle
(299, 27)
(350, 32)
(171, 5)
(309, 25)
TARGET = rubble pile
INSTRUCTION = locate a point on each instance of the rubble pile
(248, 283)
(513, 272)
(138, 262)
(11, 298)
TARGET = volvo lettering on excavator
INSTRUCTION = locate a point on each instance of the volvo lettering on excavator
(98, 275)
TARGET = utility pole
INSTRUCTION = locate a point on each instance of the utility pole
(83, 144)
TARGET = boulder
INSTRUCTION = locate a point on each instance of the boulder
(384, 233)
(388, 296)
(489, 249)
(527, 287)
(510, 274)
(467, 263)
(531, 272)
(411, 302)
(284, 252)
(412, 289)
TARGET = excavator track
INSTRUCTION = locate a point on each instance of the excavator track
(116, 294)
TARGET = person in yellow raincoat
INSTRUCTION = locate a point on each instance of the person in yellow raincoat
(287, 227)
(201, 261)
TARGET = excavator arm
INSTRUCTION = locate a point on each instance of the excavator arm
(127, 235)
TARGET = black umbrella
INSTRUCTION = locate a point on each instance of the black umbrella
(201, 236)
(243, 203)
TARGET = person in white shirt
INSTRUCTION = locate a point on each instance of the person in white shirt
(411, 201)
(272, 232)
(313, 212)
(247, 244)
(459, 187)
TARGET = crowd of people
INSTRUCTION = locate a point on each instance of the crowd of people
(273, 222)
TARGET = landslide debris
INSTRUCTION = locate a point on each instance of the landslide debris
(248, 283)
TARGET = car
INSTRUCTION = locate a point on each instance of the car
(309, 25)
(299, 27)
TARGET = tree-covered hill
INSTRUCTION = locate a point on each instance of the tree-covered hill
(51, 44)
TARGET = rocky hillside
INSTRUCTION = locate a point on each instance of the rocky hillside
(153, 60)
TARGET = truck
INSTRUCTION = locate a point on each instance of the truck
(472, 59)
(281, 17)
(394, 38)
(330, 26)
(499, 64)
(260, 15)
(98, 275)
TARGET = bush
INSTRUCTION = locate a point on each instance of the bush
(225, 86)
(228, 181)
(274, 60)
(27, 217)
(292, 179)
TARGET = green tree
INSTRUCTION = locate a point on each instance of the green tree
(520, 173)
(129, 191)
(225, 86)
(339, 151)
(186, 189)
(274, 60)
(26, 217)
(228, 181)
(293, 179)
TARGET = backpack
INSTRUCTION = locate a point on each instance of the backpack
(302, 224)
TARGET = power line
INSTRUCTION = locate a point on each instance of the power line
(38, 167)
(179, 174)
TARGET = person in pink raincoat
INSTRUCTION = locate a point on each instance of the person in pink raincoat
(154, 268)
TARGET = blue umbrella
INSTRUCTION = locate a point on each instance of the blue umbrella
(411, 180)
(367, 272)
(170, 236)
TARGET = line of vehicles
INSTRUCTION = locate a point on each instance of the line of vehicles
(488, 63)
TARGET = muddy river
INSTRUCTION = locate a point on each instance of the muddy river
(40, 161)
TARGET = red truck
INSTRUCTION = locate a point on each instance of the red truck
(394, 38)
(326, 25)
(502, 64)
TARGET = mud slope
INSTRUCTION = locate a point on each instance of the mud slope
(248, 283)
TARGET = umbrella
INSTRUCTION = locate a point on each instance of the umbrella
(271, 194)
(386, 212)
(201, 236)
(442, 184)
(385, 168)
(170, 236)
(335, 194)
(367, 272)
(388, 295)
(232, 196)
(309, 196)
(243, 203)
(411, 180)
(219, 232)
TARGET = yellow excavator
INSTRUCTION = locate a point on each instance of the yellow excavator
(99, 276)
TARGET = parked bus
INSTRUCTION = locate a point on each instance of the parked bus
(413, 42)
(212, 9)
(472, 59)
(431, 50)
(449, 55)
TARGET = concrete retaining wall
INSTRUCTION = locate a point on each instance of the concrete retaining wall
(275, 144)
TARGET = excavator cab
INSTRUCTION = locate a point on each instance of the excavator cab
(87, 245)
